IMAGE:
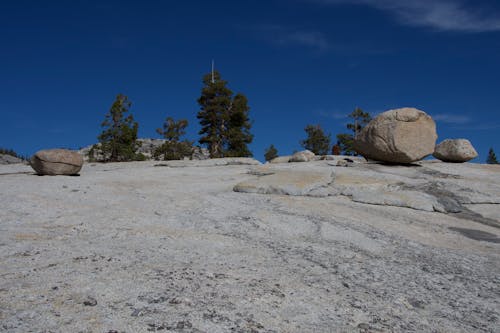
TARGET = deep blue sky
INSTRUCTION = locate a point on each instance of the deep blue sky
(299, 62)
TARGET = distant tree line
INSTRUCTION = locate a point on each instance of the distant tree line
(11, 152)
(319, 142)
(224, 119)
(225, 130)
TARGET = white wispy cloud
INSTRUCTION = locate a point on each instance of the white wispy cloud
(451, 118)
(285, 36)
(445, 15)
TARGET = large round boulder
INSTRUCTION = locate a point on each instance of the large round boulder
(57, 162)
(398, 136)
(455, 150)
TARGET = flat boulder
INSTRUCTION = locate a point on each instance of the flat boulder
(455, 150)
(398, 136)
(280, 159)
(8, 159)
(57, 162)
(288, 182)
(212, 162)
(303, 156)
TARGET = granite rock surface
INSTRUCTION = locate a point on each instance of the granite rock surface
(130, 247)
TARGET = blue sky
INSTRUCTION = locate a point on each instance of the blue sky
(299, 62)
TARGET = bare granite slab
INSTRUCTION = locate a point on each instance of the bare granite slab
(130, 247)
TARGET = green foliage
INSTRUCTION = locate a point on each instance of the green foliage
(346, 140)
(140, 157)
(238, 130)
(173, 148)
(224, 120)
(270, 153)
(492, 158)
(173, 130)
(119, 137)
(11, 152)
(317, 141)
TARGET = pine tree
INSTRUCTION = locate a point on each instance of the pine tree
(317, 141)
(346, 140)
(224, 120)
(270, 153)
(173, 148)
(119, 137)
(492, 158)
(238, 130)
(215, 101)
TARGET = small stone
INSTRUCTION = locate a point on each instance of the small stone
(302, 156)
(342, 163)
(90, 301)
(137, 313)
(455, 150)
(184, 324)
(280, 159)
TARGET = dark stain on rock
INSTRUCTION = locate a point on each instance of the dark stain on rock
(467, 214)
(478, 235)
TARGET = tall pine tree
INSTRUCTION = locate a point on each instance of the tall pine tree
(224, 120)
(214, 102)
(119, 137)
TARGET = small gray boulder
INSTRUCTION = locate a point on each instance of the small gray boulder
(57, 162)
(302, 156)
(398, 136)
(455, 150)
(8, 159)
(280, 159)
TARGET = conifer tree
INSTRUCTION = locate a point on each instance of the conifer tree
(173, 148)
(119, 137)
(238, 129)
(346, 140)
(492, 158)
(317, 141)
(224, 120)
(270, 153)
(215, 100)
